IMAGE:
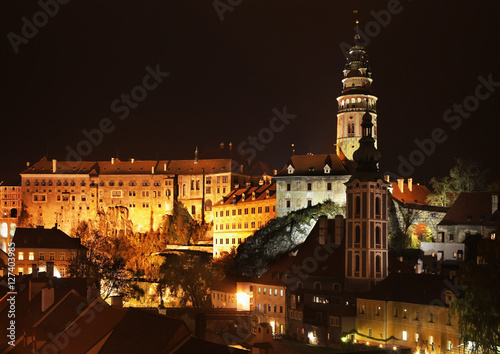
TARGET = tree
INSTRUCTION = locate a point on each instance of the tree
(401, 218)
(188, 276)
(102, 266)
(478, 307)
(181, 228)
(465, 176)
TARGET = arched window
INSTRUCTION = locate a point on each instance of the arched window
(317, 286)
(299, 285)
(357, 238)
(377, 206)
(337, 287)
(377, 264)
(377, 235)
(208, 205)
(357, 206)
(350, 129)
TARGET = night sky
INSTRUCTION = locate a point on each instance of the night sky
(226, 77)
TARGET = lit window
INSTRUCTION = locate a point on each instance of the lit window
(62, 256)
(20, 256)
(52, 256)
(405, 336)
(20, 270)
(31, 256)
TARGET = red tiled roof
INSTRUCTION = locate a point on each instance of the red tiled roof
(313, 165)
(410, 288)
(418, 193)
(236, 196)
(45, 238)
(472, 208)
(132, 166)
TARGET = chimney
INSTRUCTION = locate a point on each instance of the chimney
(230, 145)
(401, 184)
(196, 156)
(117, 301)
(339, 229)
(47, 297)
(275, 172)
(112, 160)
(27, 164)
(222, 145)
(261, 182)
(410, 184)
(152, 170)
(34, 271)
(241, 168)
(164, 167)
(494, 203)
(132, 160)
(50, 269)
(92, 293)
(323, 229)
(387, 178)
(54, 166)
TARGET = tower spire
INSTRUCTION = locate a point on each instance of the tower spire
(356, 36)
(356, 97)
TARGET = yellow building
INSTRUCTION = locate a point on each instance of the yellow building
(67, 192)
(44, 250)
(409, 311)
(240, 214)
(269, 296)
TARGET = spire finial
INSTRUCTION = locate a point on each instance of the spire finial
(356, 36)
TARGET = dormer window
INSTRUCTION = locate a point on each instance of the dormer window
(311, 169)
(327, 169)
(290, 169)
(253, 195)
(243, 197)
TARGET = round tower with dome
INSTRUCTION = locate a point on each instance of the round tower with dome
(356, 99)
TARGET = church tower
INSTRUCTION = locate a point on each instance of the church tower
(355, 100)
(366, 216)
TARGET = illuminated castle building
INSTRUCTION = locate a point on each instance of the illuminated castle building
(311, 179)
(356, 98)
(142, 191)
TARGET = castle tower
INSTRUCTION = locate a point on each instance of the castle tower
(366, 221)
(356, 98)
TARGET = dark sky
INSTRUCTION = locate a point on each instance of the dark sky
(226, 77)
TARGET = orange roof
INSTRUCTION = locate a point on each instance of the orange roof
(245, 195)
(418, 193)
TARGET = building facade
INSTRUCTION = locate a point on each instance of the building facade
(143, 191)
(240, 213)
(45, 250)
(307, 180)
(408, 311)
